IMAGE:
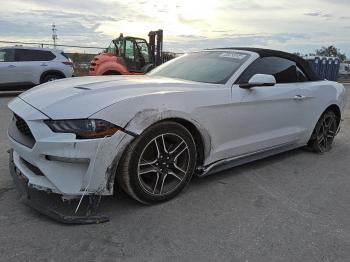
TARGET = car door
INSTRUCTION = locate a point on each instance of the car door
(7, 67)
(266, 116)
(29, 65)
(310, 101)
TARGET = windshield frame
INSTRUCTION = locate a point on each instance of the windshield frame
(251, 56)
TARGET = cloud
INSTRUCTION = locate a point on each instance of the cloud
(313, 14)
(235, 40)
(186, 20)
(73, 28)
(318, 14)
(243, 5)
(342, 2)
(222, 31)
(187, 25)
(191, 37)
(89, 10)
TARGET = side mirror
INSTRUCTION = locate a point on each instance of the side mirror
(259, 80)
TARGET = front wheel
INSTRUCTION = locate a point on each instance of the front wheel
(159, 163)
(324, 132)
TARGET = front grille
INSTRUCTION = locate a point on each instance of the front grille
(23, 127)
(20, 132)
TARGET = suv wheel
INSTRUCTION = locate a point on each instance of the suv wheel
(51, 77)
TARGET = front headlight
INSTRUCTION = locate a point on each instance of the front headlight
(83, 128)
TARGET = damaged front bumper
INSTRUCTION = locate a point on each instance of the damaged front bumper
(52, 205)
(59, 162)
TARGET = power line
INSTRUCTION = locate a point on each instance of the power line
(45, 44)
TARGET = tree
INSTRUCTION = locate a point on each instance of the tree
(331, 51)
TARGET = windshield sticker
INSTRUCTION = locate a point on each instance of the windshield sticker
(233, 56)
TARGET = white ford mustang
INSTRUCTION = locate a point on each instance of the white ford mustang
(197, 114)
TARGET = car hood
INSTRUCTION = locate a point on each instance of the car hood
(81, 97)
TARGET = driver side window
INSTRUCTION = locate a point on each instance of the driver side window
(284, 70)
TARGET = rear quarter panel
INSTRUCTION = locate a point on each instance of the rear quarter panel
(321, 95)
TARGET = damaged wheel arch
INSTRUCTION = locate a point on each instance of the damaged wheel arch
(147, 118)
(200, 136)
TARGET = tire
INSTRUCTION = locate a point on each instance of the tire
(153, 173)
(323, 135)
(109, 73)
(51, 77)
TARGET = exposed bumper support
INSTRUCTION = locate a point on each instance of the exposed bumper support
(51, 205)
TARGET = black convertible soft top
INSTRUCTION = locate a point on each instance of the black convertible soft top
(305, 66)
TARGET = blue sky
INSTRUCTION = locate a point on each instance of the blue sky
(296, 26)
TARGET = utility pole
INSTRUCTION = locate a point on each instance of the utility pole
(54, 35)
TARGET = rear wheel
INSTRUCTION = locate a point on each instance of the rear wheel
(51, 77)
(324, 132)
(158, 164)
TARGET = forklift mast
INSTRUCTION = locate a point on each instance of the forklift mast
(156, 46)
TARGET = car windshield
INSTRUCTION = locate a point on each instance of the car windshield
(215, 67)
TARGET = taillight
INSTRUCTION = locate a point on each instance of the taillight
(70, 63)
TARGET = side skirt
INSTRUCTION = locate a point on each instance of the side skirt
(228, 163)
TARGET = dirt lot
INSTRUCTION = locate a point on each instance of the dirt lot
(290, 207)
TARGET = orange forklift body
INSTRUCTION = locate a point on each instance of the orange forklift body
(109, 64)
(129, 56)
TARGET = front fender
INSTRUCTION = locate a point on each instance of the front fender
(137, 113)
(139, 121)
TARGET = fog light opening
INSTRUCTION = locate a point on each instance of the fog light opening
(67, 159)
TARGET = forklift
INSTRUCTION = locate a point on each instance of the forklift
(129, 56)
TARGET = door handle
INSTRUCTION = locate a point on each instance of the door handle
(11, 66)
(43, 65)
(299, 97)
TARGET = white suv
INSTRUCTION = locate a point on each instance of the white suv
(24, 67)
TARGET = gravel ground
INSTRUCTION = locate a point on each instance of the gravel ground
(290, 207)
